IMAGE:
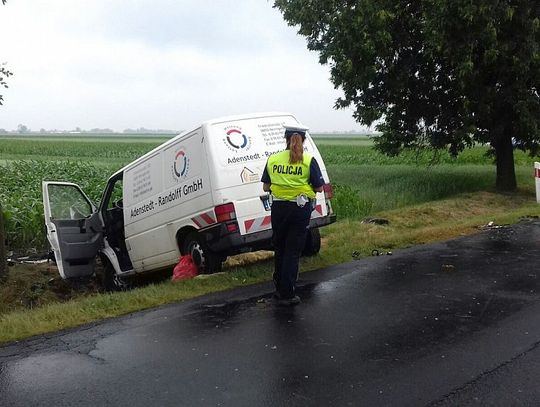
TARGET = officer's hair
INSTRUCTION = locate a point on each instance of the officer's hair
(296, 148)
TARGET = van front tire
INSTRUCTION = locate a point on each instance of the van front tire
(207, 262)
(111, 281)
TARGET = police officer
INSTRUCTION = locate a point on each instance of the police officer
(293, 177)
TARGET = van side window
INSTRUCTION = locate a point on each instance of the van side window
(116, 198)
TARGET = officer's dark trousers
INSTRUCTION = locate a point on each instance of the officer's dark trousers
(289, 226)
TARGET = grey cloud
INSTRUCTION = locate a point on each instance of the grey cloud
(219, 26)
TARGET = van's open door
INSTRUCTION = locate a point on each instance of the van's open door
(74, 228)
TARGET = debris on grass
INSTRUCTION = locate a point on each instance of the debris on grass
(376, 221)
(377, 252)
(491, 225)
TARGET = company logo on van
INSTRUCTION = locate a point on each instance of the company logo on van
(235, 139)
(180, 167)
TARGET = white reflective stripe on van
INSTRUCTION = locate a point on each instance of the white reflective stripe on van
(264, 223)
(317, 212)
(204, 219)
(258, 224)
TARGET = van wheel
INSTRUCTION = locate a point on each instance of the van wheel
(313, 242)
(206, 261)
(110, 281)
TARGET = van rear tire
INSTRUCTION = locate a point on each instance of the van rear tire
(207, 262)
(313, 242)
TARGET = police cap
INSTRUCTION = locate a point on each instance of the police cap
(295, 128)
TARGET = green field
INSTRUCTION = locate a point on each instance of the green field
(364, 180)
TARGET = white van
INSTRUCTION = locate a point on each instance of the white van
(198, 193)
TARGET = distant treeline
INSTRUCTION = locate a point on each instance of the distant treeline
(22, 129)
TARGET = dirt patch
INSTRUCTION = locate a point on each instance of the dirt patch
(34, 285)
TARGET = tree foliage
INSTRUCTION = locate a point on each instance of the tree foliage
(433, 73)
(4, 74)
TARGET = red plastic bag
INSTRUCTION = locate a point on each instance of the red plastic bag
(184, 269)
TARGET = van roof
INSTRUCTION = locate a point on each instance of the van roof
(205, 124)
(244, 117)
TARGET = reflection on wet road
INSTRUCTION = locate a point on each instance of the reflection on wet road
(415, 328)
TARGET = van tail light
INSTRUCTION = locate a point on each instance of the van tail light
(225, 212)
(328, 191)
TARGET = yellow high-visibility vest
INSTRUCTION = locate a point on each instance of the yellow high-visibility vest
(289, 180)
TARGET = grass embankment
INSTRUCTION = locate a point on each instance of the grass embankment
(408, 226)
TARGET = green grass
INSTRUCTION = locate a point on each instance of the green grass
(364, 189)
(55, 316)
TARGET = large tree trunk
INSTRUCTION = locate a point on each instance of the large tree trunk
(504, 158)
(3, 262)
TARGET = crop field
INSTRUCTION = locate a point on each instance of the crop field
(116, 151)
(364, 180)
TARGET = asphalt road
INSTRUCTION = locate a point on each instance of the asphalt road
(453, 323)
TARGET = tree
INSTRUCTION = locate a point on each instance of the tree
(442, 74)
(22, 129)
(4, 74)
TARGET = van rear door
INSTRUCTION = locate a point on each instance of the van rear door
(74, 228)
(241, 147)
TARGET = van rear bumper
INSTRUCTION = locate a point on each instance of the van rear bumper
(221, 241)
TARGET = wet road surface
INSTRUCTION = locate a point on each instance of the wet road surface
(453, 323)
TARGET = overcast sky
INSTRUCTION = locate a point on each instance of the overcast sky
(166, 64)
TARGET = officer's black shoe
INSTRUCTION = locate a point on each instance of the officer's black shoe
(287, 302)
